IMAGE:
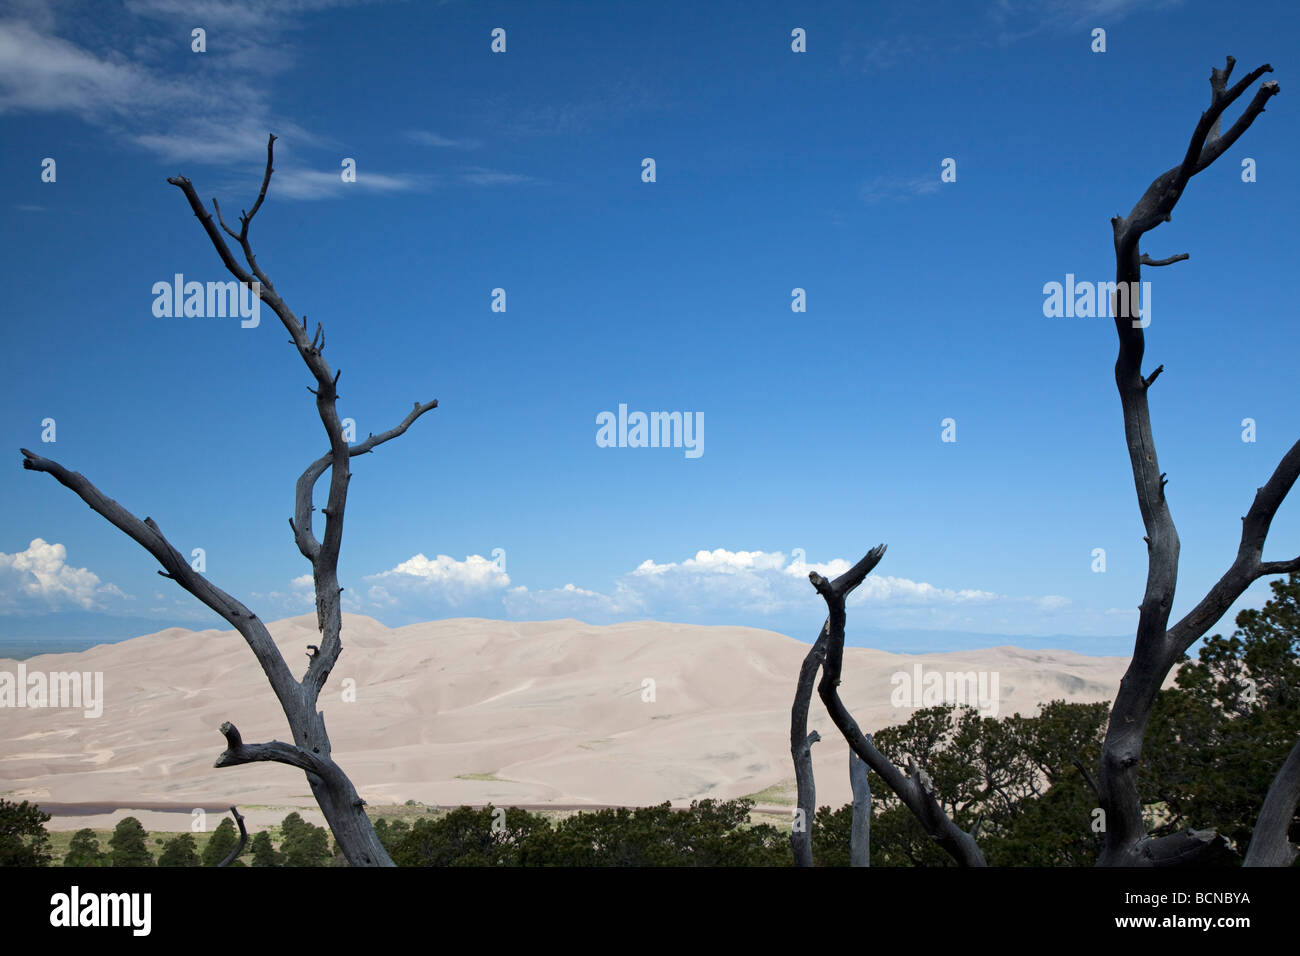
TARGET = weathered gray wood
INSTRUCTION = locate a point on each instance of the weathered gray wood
(914, 789)
(243, 839)
(1158, 648)
(860, 829)
(343, 808)
(801, 742)
(1269, 845)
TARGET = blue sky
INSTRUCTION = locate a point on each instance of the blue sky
(522, 171)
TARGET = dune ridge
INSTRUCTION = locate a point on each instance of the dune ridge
(478, 711)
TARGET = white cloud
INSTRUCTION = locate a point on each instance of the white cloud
(800, 568)
(720, 561)
(443, 580)
(236, 14)
(221, 140)
(713, 581)
(39, 578)
(723, 585)
(140, 83)
(885, 589)
(42, 73)
(313, 184)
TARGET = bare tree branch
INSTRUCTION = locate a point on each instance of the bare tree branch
(1204, 148)
(1248, 566)
(243, 839)
(860, 828)
(1087, 776)
(801, 742)
(237, 752)
(323, 663)
(310, 750)
(147, 534)
(1185, 848)
(915, 789)
(1146, 260)
(1156, 651)
(1269, 845)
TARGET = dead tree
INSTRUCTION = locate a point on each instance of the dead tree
(310, 749)
(1158, 647)
(860, 827)
(1269, 845)
(801, 742)
(914, 788)
(243, 839)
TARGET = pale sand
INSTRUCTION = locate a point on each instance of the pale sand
(552, 711)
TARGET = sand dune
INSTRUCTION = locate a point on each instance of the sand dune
(477, 711)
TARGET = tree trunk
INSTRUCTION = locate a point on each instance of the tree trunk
(801, 752)
(860, 830)
(1158, 648)
(915, 788)
(1269, 845)
(310, 751)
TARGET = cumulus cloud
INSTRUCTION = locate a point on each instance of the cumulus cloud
(714, 586)
(39, 578)
(719, 560)
(713, 581)
(724, 586)
(421, 581)
(884, 589)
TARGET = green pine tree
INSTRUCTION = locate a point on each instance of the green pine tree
(23, 840)
(304, 844)
(84, 850)
(1217, 739)
(264, 854)
(180, 850)
(224, 839)
(129, 844)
